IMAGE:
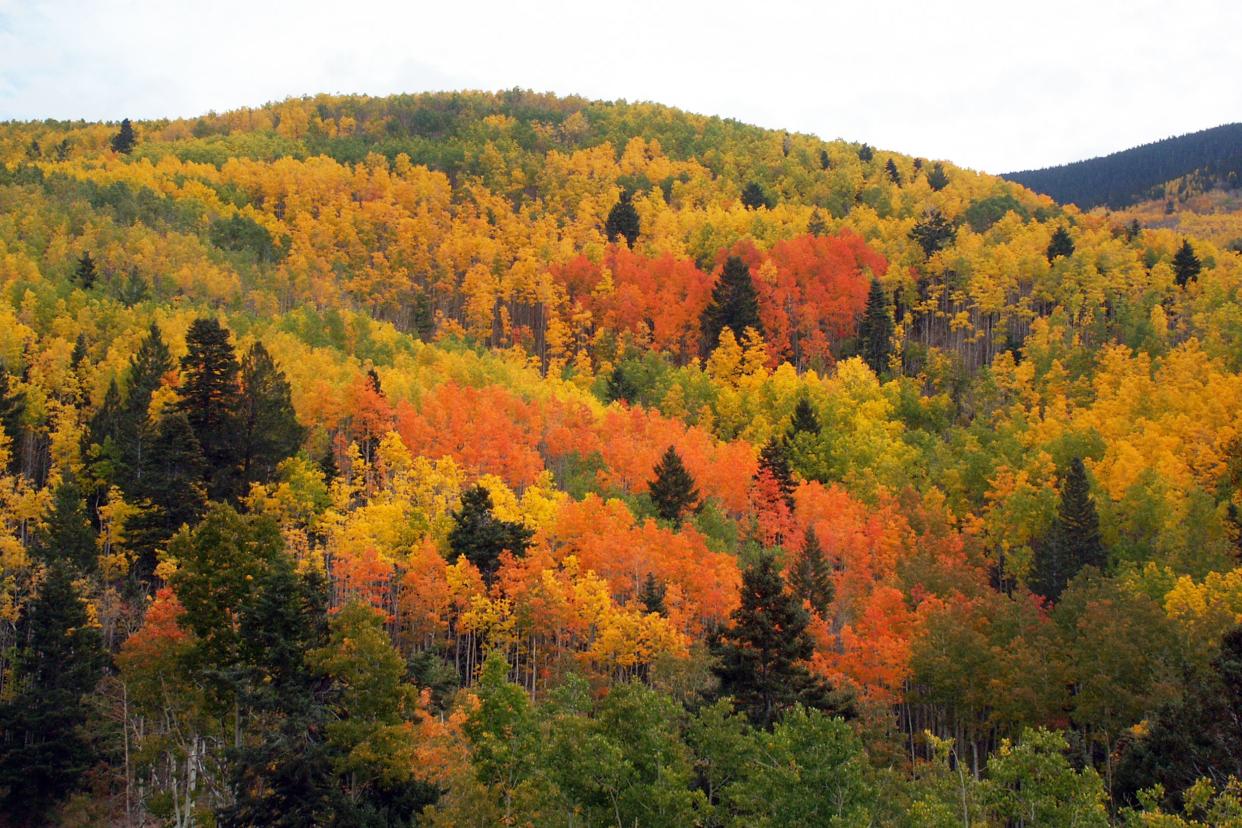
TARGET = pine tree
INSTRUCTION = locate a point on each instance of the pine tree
(480, 536)
(1186, 265)
(804, 419)
(210, 398)
(672, 491)
(734, 305)
(270, 431)
(865, 153)
(123, 141)
(1060, 244)
(753, 196)
(817, 226)
(84, 273)
(170, 490)
(774, 459)
(764, 650)
(875, 330)
(12, 413)
(623, 221)
(652, 595)
(619, 386)
(1133, 230)
(1073, 541)
(43, 751)
(148, 367)
(937, 179)
(933, 232)
(894, 175)
(811, 578)
(825, 163)
(68, 536)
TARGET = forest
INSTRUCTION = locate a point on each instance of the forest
(474, 459)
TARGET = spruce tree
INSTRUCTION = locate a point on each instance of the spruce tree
(84, 273)
(480, 536)
(619, 386)
(1186, 264)
(734, 305)
(623, 221)
(865, 153)
(1073, 541)
(43, 750)
(825, 162)
(1060, 244)
(672, 491)
(933, 232)
(811, 578)
(270, 431)
(817, 226)
(937, 179)
(170, 491)
(210, 398)
(123, 141)
(12, 412)
(68, 536)
(147, 369)
(652, 594)
(804, 419)
(1133, 230)
(875, 330)
(774, 459)
(753, 196)
(894, 175)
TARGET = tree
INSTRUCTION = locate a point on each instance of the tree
(817, 226)
(170, 491)
(865, 153)
(652, 594)
(68, 536)
(480, 536)
(270, 431)
(875, 330)
(84, 273)
(894, 175)
(811, 578)
(753, 196)
(673, 490)
(933, 232)
(43, 749)
(764, 650)
(623, 221)
(1073, 541)
(1060, 244)
(619, 386)
(12, 413)
(734, 305)
(825, 163)
(210, 398)
(123, 141)
(148, 368)
(1186, 265)
(774, 460)
(937, 179)
(804, 421)
(1032, 783)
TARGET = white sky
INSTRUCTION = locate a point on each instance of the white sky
(990, 84)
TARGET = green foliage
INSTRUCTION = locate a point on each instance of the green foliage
(1186, 264)
(1060, 245)
(480, 536)
(623, 221)
(270, 431)
(937, 178)
(210, 396)
(123, 141)
(672, 490)
(1032, 783)
(933, 232)
(811, 577)
(734, 305)
(875, 330)
(753, 196)
(1074, 539)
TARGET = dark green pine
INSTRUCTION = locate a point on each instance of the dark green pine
(84, 273)
(811, 578)
(481, 537)
(210, 398)
(875, 330)
(270, 431)
(123, 141)
(1060, 244)
(774, 459)
(734, 305)
(804, 419)
(673, 491)
(68, 535)
(652, 594)
(623, 221)
(1186, 264)
(1073, 541)
(753, 196)
(170, 490)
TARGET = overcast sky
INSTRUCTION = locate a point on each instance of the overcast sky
(989, 84)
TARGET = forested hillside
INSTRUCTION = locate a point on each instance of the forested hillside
(478, 459)
(1207, 159)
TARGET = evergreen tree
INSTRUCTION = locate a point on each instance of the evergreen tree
(937, 179)
(622, 221)
(1186, 265)
(735, 304)
(170, 490)
(210, 398)
(825, 163)
(875, 330)
(123, 141)
(753, 196)
(424, 317)
(84, 273)
(80, 352)
(1133, 230)
(12, 412)
(672, 491)
(865, 153)
(43, 751)
(619, 386)
(147, 370)
(933, 232)
(1060, 244)
(817, 226)
(811, 578)
(480, 536)
(764, 650)
(68, 536)
(774, 459)
(894, 175)
(1073, 541)
(652, 594)
(270, 431)
(804, 419)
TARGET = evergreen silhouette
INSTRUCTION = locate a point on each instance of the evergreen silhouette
(875, 330)
(753, 196)
(132, 429)
(1133, 230)
(816, 225)
(804, 419)
(43, 750)
(270, 431)
(1186, 265)
(68, 536)
(170, 490)
(623, 221)
(673, 490)
(1073, 541)
(619, 386)
(811, 578)
(652, 594)
(480, 536)
(894, 175)
(865, 153)
(12, 412)
(210, 398)
(933, 232)
(1060, 244)
(84, 272)
(774, 459)
(937, 178)
(734, 305)
(123, 141)
(825, 163)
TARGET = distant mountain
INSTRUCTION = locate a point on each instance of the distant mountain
(1212, 156)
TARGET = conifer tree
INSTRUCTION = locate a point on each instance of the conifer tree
(894, 175)
(817, 226)
(84, 273)
(147, 369)
(753, 196)
(937, 179)
(68, 536)
(875, 330)
(623, 221)
(673, 490)
(825, 162)
(865, 153)
(652, 594)
(734, 305)
(811, 578)
(270, 431)
(933, 232)
(123, 141)
(1186, 265)
(804, 419)
(1133, 230)
(12, 412)
(619, 386)
(210, 398)
(1073, 541)
(480, 536)
(170, 490)
(43, 750)
(1060, 244)
(774, 459)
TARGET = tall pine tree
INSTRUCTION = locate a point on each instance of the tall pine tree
(672, 491)
(622, 221)
(774, 459)
(148, 367)
(804, 419)
(270, 431)
(1060, 244)
(123, 141)
(753, 196)
(84, 273)
(68, 536)
(811, 578)
(170, 492)
(210, 398)
(1073, 541)
(1186, 265)
(734, 305)
(875, 330)
(480, 536)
